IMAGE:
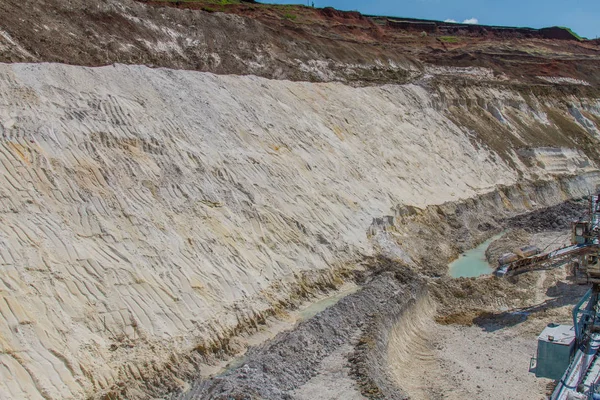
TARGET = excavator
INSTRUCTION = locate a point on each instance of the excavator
(569, 354)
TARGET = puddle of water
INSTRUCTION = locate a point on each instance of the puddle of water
(295, 317)
(473, 263)
(233, 364)
(319, 306)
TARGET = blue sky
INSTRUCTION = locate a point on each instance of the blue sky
(583, 16)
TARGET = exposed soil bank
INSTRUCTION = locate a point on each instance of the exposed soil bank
(282, 42)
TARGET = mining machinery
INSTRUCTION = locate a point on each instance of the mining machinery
(570, 354)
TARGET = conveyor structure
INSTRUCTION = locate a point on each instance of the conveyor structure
(574, 349)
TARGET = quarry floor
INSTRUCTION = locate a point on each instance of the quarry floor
(486, 355)
(475, 349)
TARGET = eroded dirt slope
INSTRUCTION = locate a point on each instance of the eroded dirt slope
(281, 42)
(148, 215)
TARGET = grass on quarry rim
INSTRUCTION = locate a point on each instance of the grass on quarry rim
(229, 2)
(571, 32)
(222, 3)
(449, 39)
(215, 2)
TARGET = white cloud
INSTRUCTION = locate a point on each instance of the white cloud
(472, 21)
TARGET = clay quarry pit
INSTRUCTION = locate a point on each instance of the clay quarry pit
(232, 200)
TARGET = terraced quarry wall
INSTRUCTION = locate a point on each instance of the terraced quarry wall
(280, 42)
(149, 214)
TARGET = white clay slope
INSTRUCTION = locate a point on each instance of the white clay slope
(154, 207)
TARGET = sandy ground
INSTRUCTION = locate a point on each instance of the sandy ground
(487, 360)
(411, 357)
(475, 363)
(488, 357)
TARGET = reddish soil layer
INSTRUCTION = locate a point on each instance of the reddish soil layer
(281, 42)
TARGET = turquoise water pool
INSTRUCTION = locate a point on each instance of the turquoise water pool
(473, 263)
